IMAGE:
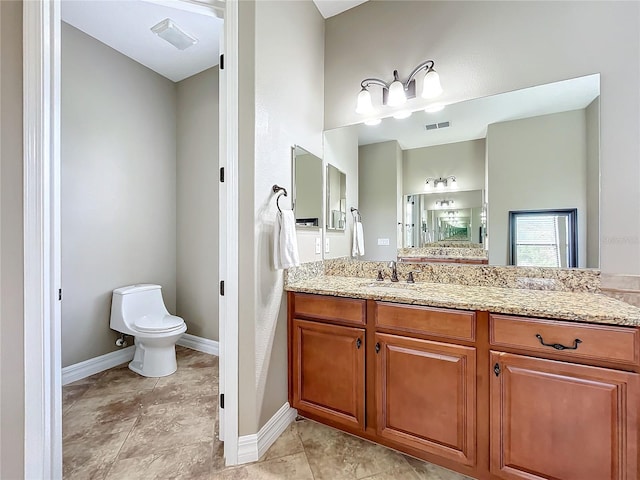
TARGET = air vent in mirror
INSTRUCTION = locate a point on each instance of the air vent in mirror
(435, 126)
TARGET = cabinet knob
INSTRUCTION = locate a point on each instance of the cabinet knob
(358, 343)
(377, 347)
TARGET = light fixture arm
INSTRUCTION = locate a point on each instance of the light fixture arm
(428, 65)
(373, 81)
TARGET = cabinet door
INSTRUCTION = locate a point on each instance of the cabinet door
(557, 420)
(426, 395)
(328, 371)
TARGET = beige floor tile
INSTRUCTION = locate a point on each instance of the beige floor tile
(120, 379)
(287, 444)
(88, 412)
(409, 474)
(195, 377)
(168, 426)
(71, 393)
(76, 427)
(334, 455)
(188, 358)
(429, 471)
(91, 456)
(291, 467)
(187, 462)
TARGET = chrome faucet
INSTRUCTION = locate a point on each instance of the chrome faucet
(394, 271)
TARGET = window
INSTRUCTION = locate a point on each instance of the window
(543, 238)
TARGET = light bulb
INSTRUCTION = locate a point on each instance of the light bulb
(396, 94)
(434, 107)
(373, 121)
(402, 114)
(364, 105)
(431, 86)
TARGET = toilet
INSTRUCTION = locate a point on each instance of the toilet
(139, 310)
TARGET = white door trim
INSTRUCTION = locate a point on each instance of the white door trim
(41, 194)
(41, 191)
(229, 201)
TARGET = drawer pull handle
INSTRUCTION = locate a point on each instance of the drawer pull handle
(559, 346)
(358, 343)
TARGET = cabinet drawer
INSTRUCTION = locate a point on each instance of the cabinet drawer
(323, 307)
(442, 322)
(597, 342)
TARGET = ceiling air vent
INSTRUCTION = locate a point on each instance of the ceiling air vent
(435, 126)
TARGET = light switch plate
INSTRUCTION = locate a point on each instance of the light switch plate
(326, 245)
(318, 245)
(383, 241)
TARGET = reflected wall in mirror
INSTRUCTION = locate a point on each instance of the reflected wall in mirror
(531, 149)
(307, 188)
(443, 219)
(336, 199)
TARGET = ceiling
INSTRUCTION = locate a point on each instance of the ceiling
(329, 8)
(124, 25)
(469, 120)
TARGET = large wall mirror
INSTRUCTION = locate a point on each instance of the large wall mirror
(307, 188)
(456, 173)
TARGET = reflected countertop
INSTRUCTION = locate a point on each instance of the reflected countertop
(573, 306)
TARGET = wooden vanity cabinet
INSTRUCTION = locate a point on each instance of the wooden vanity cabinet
(558, 420)
(426, 396)
(327, 360)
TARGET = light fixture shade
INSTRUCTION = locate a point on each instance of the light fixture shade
(170, 32)
(402, 114)
(427, 186)
(373, 121)
(453, 183)
(441, 184)
(397, 96)
(364, 105)
(431, 86)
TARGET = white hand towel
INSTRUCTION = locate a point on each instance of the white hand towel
(358, 240)
(285, 242)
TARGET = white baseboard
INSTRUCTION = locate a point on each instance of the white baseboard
(200, 344)
(252, 447)
(85, 369)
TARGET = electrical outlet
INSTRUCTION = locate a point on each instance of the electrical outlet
(326, 245)
(383, 241)
(318, 246)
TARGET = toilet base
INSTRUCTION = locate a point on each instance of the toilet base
(155, 357)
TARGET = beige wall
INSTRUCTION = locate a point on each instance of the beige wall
(463, 160)
(11, 240)
(197, 203)
(118, 190)
(378, 195)
(592, 113)
(341, 151)
(281, 105)
(533, 164)
(483, 48)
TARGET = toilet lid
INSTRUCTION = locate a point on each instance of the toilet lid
(158, 323)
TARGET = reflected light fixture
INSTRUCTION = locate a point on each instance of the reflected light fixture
(402, 114)
(397, 92)
(444, 203)
(434, 107)
(373, 121)
(440, 183)
(170, 32)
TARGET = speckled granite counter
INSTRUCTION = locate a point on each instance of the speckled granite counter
(575, 306)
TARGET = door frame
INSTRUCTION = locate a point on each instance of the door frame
(42, 254)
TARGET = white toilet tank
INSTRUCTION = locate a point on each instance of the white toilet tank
(135, 301)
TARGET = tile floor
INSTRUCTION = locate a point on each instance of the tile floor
(119, 425)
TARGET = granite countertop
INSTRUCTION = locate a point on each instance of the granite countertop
(574, 306)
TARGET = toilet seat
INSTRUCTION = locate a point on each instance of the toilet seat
(158, 323)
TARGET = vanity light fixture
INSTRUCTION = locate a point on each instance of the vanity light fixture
(444, 203)
(440, 183)
(397, 92)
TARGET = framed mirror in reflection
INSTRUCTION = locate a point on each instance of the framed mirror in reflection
(307, 188)
(531, 149)
(336, 199)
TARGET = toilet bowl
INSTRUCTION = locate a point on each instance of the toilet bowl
(139, 310)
